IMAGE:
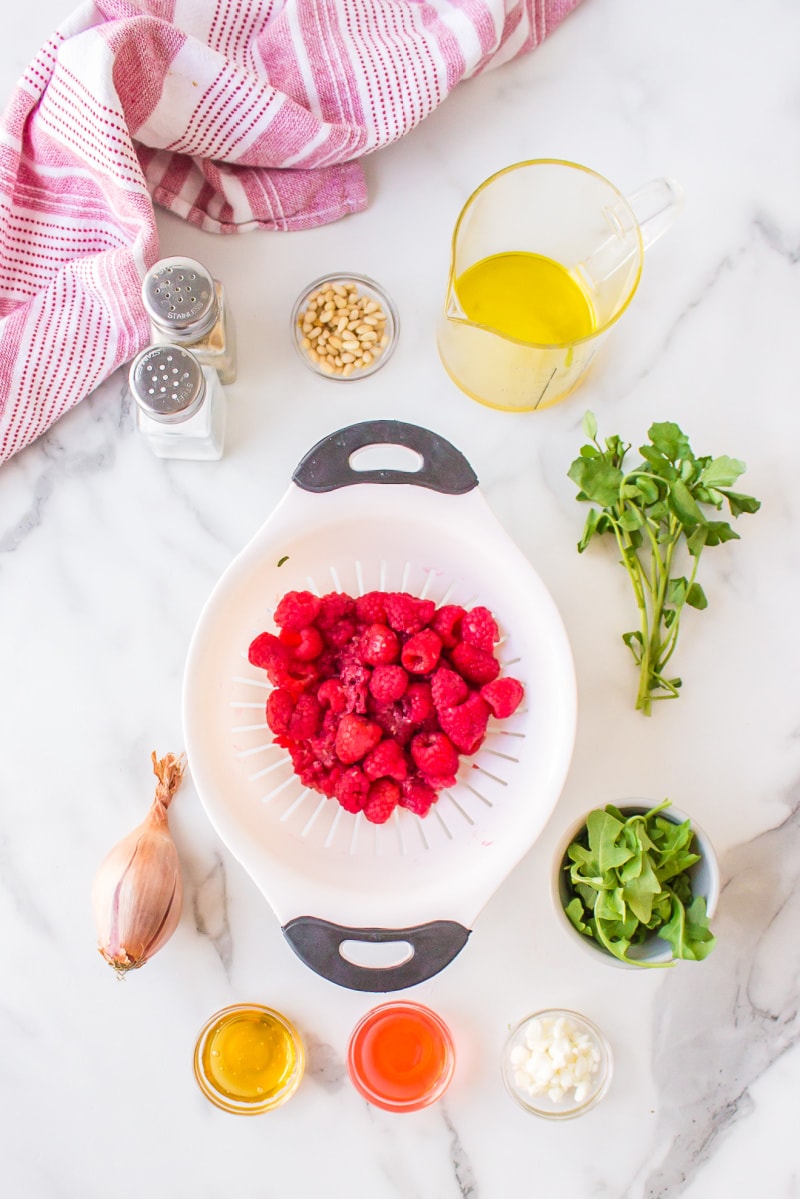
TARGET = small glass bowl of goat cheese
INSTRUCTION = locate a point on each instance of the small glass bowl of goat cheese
(557, 1064)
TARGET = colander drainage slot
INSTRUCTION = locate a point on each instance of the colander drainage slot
(376, 955)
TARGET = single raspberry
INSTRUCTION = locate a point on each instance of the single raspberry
(309, 644)
(354, 677)
(447, 623)
(417, 796)
(434, 754)
(267, 652)
(352, 788)
(312, 770)
(378, 645)
(479, 628)
(465, 724)
(476, 665)
(388, 683)
(304, 759)
(382, 799)
(330, 694)
(417, 703)
(306, 718)
(355, 737)
(333, 607)
(420, 654)
(503, 696)
(407, 614)
(323, 745)
(395, 721)
(330, 723)
(280, 706)
(297, 609)
(370, 608)
(448, 688)
(327, 664)
(437, 782)
(329, 780)
(295, 676)
(340, 632)
(386, 760)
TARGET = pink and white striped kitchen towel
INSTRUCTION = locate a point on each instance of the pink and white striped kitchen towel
(235, 114)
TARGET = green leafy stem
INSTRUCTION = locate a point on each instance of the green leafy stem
(657, 511)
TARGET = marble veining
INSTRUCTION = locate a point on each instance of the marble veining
(750, 1017)
(210, 909)
(107, 556)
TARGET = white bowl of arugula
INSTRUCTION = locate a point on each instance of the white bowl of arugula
(636, 884)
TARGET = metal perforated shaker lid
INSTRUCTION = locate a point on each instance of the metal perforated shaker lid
(179, 296)
(167, 383)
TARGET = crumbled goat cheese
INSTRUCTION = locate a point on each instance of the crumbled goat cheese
(554, 1058)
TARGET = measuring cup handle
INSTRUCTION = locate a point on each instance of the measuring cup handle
(326, 466)
(318, 943)
(656, 206)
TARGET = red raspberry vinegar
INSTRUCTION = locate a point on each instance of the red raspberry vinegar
(401, 1057)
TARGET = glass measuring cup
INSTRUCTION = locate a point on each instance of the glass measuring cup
(546, 256)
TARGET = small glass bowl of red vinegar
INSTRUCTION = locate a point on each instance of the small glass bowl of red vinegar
(400, 1057)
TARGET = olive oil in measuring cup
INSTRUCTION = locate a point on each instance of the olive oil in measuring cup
(526, 297)
(546, 256)
(248, 1059)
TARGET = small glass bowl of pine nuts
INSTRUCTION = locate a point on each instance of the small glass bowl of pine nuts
(344, 326)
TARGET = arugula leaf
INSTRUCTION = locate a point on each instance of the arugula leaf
(628, 878)
(686, 930)
(658, 514)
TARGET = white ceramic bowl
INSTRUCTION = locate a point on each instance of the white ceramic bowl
(654, 950)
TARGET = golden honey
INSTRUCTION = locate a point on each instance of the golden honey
(249, 1059)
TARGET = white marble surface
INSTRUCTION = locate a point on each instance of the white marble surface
(109, 554)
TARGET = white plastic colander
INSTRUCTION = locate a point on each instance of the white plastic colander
(378, 907)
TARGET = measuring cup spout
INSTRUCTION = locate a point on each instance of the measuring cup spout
(452, 309)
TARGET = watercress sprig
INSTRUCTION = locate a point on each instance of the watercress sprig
(658, 512)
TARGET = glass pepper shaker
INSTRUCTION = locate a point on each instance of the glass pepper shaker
(187, 307)
(180, 405)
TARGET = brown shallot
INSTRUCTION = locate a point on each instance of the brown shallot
(138, 891)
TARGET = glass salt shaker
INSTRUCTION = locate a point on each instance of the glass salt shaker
(180, 405)
(187, 307)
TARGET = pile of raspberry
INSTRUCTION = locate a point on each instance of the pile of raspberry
(376, 698)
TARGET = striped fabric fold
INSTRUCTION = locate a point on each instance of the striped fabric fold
(234, 114)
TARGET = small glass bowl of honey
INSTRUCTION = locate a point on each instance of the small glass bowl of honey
(248, 1059)
(400, 1057)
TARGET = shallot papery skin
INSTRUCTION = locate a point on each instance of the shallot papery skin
(138, 891)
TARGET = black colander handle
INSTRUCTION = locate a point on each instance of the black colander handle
(326, 466)
(318, 943)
